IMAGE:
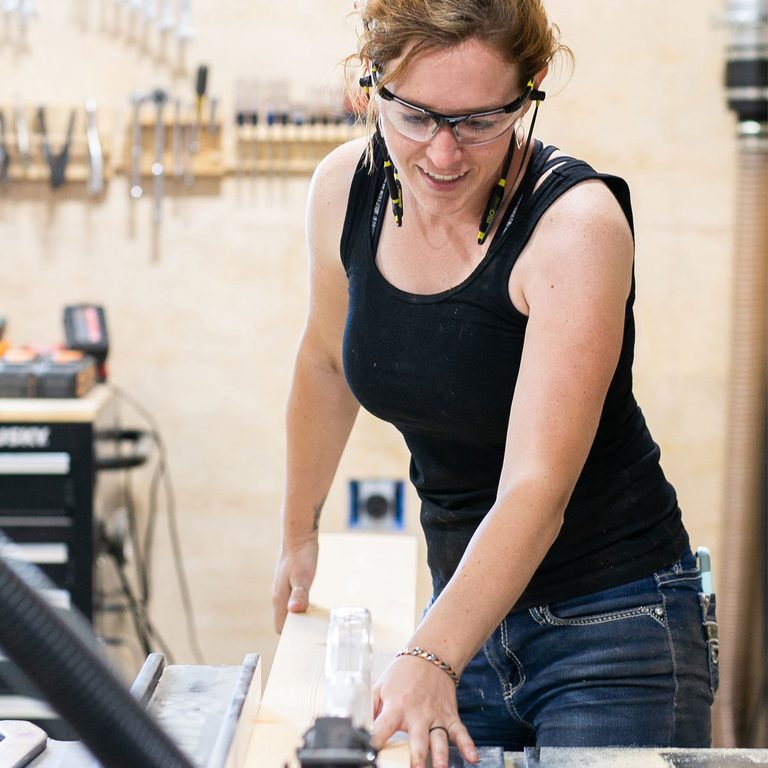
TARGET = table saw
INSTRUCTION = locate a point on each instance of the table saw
(220, 718)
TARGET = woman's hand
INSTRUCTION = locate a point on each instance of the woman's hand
(417, 697)
(294, 575)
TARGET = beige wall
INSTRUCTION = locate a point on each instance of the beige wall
(204, 334)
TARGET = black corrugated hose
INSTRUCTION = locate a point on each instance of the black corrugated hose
(56, 654)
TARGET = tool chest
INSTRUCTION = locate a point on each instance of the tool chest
(47, 482)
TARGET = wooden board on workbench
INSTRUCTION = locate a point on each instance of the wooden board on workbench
(374, 570)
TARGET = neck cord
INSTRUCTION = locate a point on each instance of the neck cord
(394, 187)
(494, 202)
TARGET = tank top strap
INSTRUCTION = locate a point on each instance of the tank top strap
(367, 196)
(549, 178)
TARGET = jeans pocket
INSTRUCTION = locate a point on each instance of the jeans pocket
(545, 614)
(709, 622)
(635, 599)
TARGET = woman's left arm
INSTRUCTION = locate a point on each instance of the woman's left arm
(572, 280)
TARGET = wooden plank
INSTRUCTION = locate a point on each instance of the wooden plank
(377, 571)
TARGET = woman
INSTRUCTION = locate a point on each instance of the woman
(490, 320)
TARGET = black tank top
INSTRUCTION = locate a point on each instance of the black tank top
(442, 369)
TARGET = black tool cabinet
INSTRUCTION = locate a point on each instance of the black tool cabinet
(47, 483)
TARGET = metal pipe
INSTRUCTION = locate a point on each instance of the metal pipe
(740, 713)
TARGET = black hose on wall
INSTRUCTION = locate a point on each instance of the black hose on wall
(76, 682)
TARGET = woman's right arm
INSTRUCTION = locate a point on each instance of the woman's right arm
(321, 408)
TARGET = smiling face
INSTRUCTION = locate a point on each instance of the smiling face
(442, 176)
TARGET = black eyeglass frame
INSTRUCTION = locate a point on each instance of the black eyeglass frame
(452, 120)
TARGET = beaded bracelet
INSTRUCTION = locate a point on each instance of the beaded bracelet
(436, 660)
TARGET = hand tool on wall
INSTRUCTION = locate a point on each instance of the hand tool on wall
(57, 162)
(201, 83)
(240, 140)
(278, 121)
(246, 121)
(22, 135)
(4, 156)
(149, 11)
(285, 141)
(271, 121)
(178, 167)
(167, 19)
(213, 103)
(188, 161)
(27, 11)
(95, 184)
(159, 98)
(185, 31)
(137, 99)
(254, 120)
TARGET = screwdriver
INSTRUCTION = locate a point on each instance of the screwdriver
(4, 155)
(22, 135)
(200, 87)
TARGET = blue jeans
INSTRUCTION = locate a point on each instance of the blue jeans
(626, 666)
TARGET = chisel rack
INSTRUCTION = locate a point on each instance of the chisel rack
(25, 143)
(288, 148)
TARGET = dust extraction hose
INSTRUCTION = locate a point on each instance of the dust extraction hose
(75, 681)
(740, 713)
(741, 599)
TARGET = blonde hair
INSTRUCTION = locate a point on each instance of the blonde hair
(518, 29)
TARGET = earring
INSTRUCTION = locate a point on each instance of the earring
(519, 133)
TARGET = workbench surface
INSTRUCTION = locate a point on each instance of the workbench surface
(379, 572)
(49, 409)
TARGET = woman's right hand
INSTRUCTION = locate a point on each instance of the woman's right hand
(294, 575)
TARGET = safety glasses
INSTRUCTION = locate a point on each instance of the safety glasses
(421, 124)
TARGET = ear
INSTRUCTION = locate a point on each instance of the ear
(538, 78)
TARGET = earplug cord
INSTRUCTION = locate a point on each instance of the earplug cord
(494, 202)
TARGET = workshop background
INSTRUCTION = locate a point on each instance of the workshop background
(205, 305)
